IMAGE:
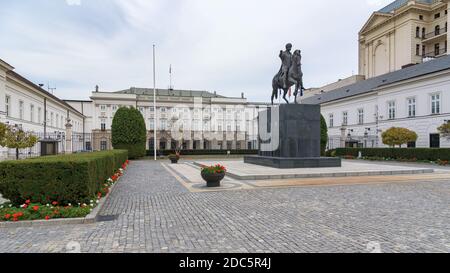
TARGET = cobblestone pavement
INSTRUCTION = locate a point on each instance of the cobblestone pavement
(155, 213)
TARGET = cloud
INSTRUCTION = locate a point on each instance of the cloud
(225, 46)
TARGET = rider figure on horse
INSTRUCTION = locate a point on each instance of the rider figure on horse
(286, 63)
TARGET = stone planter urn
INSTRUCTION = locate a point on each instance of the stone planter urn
(174, 159)
(213, 175)
(213, 179)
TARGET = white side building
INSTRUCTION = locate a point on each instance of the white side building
(416, 97)
(25, 104)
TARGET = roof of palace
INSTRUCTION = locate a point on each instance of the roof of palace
(170, 93)
(369, 85)
(398, 3)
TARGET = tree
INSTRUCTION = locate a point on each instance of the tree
(444, 130)
(398, 136)
(129, 132)
(323, 135)
(3, 129)
(17, 138)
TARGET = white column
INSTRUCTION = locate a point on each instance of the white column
(448, 24)
(2, 95)
(68, 137)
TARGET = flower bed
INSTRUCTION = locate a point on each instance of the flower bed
(54, 209)
(217, 169)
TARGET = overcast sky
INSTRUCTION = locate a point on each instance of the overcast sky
(228, 46)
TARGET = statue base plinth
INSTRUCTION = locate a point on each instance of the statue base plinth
(294, 163)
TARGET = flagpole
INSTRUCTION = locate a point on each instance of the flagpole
(155, 123)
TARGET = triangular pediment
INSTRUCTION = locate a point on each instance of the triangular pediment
(376, 19)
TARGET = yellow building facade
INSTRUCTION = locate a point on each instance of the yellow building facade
(401, 34)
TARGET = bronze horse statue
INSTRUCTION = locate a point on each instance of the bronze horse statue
(293, 77)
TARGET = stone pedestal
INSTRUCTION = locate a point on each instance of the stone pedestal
(295, 139)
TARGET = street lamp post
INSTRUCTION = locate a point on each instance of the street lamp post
(154, 102)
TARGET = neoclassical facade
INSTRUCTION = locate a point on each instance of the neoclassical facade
(403, 33)
(183, 119)
(27, 105)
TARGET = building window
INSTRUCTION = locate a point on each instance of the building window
(360, 116)
(103, 124)
(103, 145)
(114, 107)
(424, 48)
(21, 109)
(420, 17)
(344, 118)
(418, 50)
(163, 125)
(437, 30)
(57, 120)
(152, 124)
(32, 113)
(52, 119)
(103, 107)
(411, 107)
(8, 105)
(436, 49)
(435, 104)
(163, 109)
(331, 120)
(88, 146)
(391, 110)
(435, 141)
(424, 33)
(437, 15)
(417, 32)
(62, 122)
(39, 115)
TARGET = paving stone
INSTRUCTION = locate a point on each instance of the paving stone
(157, 214)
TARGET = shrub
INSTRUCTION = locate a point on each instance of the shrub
(323, 135)
(66, 179)
(398, 136)
(415, 154)
(444, 130)
(129, 132)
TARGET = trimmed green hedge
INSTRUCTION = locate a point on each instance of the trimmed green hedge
(75, 178)
(204, 152)
(397, 153)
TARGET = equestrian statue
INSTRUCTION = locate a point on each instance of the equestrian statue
(290, 74)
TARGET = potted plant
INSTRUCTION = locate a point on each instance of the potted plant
(174, 158)
(213, 175)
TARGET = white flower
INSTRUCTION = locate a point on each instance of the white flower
(48, 205)
(10, 206)
(92, 205)
(69, 205)
(97, 201)
(1, 207)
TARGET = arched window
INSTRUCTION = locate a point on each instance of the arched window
(424, 31)
(417, 32)
(437, 30)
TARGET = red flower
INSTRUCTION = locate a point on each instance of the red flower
(28, 202)
(47, 217)
(54, 203)
(99, 195)
(20, 214)
(7, 216)
(36, 208)
(15, 219)
(25, 206)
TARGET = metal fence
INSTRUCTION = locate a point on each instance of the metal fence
(80, 143)
(335, 142)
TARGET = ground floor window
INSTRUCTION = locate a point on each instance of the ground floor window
(162, 145)
(103, 145)
(151, 144)
(88, 146)
(435, 141)
(229, 145)
(412, 144)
